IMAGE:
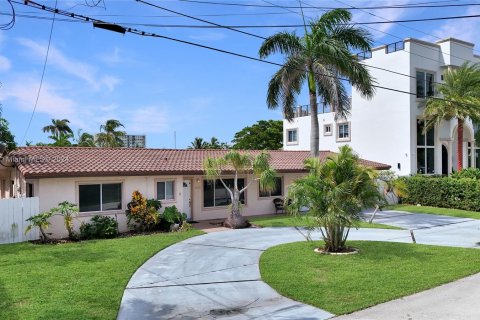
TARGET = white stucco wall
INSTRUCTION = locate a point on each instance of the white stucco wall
(52, 191)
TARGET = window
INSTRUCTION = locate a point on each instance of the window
(215, 194)
(276, 192)
(30, 190)
(327, 129)
(425, 150)
(292, 136)
(343, 130)
(425, 81)
(100, 197)
(397, 46)
(364, 55)
(165, 190)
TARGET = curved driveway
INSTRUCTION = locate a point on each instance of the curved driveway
(216, 275)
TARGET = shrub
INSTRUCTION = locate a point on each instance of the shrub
(40, 221)
(171, 216)
(144, 216)
(68, 211)
(471, 173)
(99, 227)
(445, 192)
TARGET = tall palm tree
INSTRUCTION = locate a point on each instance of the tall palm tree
(336, 191)
(62, 140)
(85, 139)
(58, 127)
(319, 58)
(460, 99)
(198, 143)
(109, 135)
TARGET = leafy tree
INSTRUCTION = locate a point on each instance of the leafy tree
(335, 191)
(241, 163)
(40, 221)
(461, 100)
(109, 135)
(68, 211)
(62, 140)
(199, 143)
(319, 58)
(58, 127)
(6, 137)
(263, 135)
(85, 139)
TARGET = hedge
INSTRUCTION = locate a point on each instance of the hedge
(444, 192)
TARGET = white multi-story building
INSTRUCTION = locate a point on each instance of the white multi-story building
(388, 128)
(134, 141)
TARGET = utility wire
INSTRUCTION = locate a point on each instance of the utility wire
(43, 74)
(150, 34)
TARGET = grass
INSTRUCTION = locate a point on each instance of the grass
(283, 220)
(83, 280)
(435, 210)
(382, 271)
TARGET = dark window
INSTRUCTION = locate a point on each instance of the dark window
(343, 131)
(292, 135)
(100, 197)
(425, 150)
(29, 190)
(165, 190)
(425, 84)
(215, 194)
(276, 192)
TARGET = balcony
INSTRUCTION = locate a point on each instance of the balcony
(304, 110)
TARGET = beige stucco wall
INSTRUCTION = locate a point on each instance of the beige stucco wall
(52, 191)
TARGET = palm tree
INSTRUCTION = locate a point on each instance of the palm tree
(198, 143)
(240, 163)
(460, 99)
(58, 127)
(335, 191)
(319, 58)
(109, 135)
(85, 139)
(62, 140)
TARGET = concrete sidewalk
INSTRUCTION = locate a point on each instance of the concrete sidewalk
(216, 276)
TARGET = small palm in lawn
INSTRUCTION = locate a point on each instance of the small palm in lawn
(256, 168)
(319, 58)
(110, 135)
(58, 127)
(68, 211)
(40, 221)
(335, 191)
(461, 99)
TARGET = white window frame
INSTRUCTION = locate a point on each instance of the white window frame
(325, 132)
(426, 147)
(287, 136)
(425, 72)
(122, 195)
(349, 131)
(174, 188)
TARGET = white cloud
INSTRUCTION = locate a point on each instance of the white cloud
(463, 29)
(152, 119)
(5, 64)
(379, 30)
(78, 69)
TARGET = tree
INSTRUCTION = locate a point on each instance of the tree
(40, 221)
(85, 139)
(62, 140)
(68, 211)
(58, 127)
(6, 136)
(319, 58)
(258, 167)
(335, 191)
(109, 135)
(199, 143)
(460, 99)
(263, 135)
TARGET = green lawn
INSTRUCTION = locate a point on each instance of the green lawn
(83, 280)
(283, 220)
(382, 271)
(434, 210)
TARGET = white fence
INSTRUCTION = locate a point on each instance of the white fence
(13, 213)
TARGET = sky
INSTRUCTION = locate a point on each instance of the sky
(159, 87)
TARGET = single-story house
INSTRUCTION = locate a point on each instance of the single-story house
(101, 180)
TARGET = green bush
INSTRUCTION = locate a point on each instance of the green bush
(99, 227)
(471, 173)
(444, 192)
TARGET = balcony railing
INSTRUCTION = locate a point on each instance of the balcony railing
(304, 110)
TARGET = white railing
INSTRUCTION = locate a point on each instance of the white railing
(13, 213)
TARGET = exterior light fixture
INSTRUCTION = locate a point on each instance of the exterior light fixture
(109, 26)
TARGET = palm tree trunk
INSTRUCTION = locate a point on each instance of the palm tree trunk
(314, 133)
(460, 145)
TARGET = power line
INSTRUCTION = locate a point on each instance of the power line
(406, 6)
(43, 74)
(9, 25)
(150, 34)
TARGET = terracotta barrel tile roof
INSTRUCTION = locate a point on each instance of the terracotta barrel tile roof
(37, 162)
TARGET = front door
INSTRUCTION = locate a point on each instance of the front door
(187, 198)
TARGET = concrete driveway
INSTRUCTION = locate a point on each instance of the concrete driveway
(216, 276)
